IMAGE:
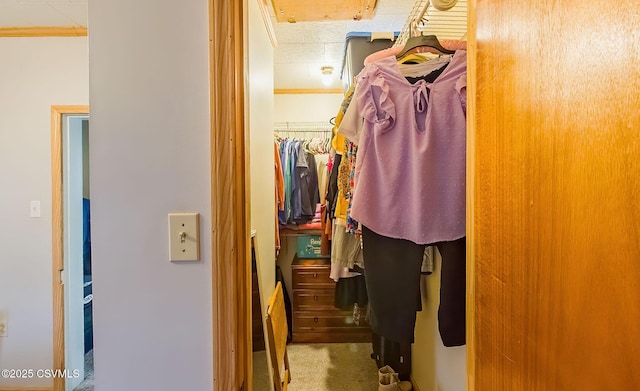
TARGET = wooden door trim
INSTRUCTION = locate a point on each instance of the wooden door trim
(43, 31)
(57, 224)
(471, 132)
(231, 282)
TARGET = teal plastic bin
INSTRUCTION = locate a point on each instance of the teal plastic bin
(308, 246)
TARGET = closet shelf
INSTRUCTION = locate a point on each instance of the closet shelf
(299, 232)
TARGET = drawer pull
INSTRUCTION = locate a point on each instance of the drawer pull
(315, 275)
(315, 320)
(315, 298)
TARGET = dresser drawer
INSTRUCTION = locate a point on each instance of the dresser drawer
(315, 319)
(329, 321)
(313, 300)
(312, 278)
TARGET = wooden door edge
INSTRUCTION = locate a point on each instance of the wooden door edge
(471, 172)
(57, 236)
(231, 280)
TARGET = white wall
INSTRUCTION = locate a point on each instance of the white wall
(262, 180)
(35, 73)
(306, 107)
(149, 156)
(434, 366)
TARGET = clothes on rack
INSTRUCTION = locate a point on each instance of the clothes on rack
(301, 188)
(332, 191)
(408, 127)
(314, 141)
(279, 181)
(341, 194)
(346, 252)
(346, 249)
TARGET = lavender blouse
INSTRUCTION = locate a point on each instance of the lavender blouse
(411, 165)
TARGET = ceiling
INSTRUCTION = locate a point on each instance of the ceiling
(29, 13)
(303, 47)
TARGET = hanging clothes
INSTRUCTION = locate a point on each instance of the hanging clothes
(279, 181)
(300, 177)
(412, 148)
(307, 176)
(353, 227)
(409, 125)
(345, 247)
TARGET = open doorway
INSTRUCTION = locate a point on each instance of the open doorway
(318, 324)
(73, 299)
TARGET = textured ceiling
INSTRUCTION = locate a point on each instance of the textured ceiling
(303, 47)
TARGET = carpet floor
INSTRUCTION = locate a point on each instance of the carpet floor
(324, 367)
(87, 383)
(314, 367)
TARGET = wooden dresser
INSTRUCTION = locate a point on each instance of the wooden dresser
(315, 319)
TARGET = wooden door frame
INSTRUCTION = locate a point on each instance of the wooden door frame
(57, 240)
(231, 279)
(472, 52)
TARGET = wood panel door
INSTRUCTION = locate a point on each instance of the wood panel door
(554, 195)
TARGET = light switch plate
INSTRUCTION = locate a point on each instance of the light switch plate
(184, 237)
(34, 208)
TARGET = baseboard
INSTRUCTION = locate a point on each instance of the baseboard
(26, 389)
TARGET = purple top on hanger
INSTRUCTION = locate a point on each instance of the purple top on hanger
(411, 167)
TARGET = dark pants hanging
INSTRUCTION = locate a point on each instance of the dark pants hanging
(453, 292)
(392, 274)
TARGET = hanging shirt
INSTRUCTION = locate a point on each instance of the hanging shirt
(286, 174)
(411, 166)
(296, 200)
(279, 191)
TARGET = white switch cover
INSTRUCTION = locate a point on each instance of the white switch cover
(34, 209)
(184, 237)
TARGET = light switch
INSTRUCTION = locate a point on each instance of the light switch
(34, 209)
(184, 237)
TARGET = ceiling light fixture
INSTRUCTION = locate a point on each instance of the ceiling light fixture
(327, 75)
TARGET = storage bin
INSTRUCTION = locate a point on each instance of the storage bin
(308, 246)
(357, 47)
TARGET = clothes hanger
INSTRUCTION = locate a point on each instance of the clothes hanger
(412, 58)
(430, 41)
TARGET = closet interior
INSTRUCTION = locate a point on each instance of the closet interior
(370, 222)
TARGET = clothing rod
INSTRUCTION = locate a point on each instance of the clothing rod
(417, 14)
(303, 126)
(303, 130)
(421, 14)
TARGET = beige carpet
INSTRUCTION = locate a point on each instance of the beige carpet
(87, 383)
(324, 367)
